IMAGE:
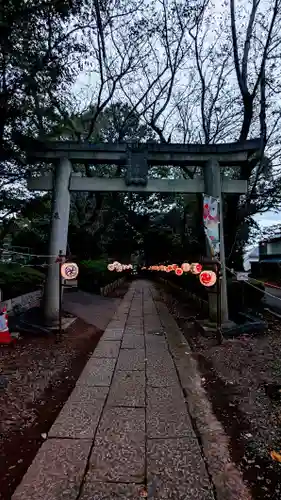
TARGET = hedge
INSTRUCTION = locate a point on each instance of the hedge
(16, 280)
(93, 275)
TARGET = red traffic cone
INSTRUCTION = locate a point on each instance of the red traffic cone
(5, 336)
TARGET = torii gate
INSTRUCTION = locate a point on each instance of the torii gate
(138, 158)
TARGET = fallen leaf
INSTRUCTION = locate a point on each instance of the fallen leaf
(143, 493)
(275, 456)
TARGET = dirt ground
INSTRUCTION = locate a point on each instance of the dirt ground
(242, 378)
(36, 378)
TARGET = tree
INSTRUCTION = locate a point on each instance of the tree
(253, 60)
(36, 48)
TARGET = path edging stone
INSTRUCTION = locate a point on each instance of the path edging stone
(226, 478)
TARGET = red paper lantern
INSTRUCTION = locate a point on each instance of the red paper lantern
(196, 268)
(208, 278)
(179, 271)
(185, 267)
(174, 267)
(169, 268)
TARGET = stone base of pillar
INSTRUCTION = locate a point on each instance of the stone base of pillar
(208, 328)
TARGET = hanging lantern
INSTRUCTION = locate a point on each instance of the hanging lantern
(196, 268)
(179, 271)
(208, 278)
(185, 267)
(110, 267)
(169, 268)
(174, 267)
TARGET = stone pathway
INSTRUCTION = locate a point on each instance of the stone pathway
(125, 431)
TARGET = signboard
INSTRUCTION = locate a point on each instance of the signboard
(69, 271)
(211, 220)
(242, 276)
(70, 283)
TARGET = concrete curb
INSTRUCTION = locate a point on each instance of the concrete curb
(226, 478)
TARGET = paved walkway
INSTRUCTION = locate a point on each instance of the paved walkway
(125, 429)
(94, 309)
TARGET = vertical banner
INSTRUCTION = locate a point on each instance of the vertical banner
(211, 220)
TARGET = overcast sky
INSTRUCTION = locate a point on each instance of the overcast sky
(268, 219)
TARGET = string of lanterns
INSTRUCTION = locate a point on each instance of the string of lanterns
(206, 278)
(118, 267)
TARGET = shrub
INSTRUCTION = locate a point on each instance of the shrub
(93, 274)
(16, 280)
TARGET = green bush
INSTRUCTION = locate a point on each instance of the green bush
(93, 275)
(16, 280)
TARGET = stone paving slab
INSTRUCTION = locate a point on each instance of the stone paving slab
(155, 342)
(131, 359)
(109, 491)
(176, 470)
(56, 472)
(119, 450)
(98, 371)
(133, 330)
(113, 333)
(87, 393)
(167, 413)
(160, 370)
(131, 341)
(107, 349)
(127, 389)
(78, 420)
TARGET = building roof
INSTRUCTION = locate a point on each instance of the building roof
(271, 240)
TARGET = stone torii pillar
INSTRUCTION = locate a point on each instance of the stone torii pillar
(58, 238)
(213, 187)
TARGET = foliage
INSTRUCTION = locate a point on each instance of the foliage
(36, 47)
(16, 280)
(94, 274)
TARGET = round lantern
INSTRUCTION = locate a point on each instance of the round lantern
(208, 278)
(110, 267)
(185, 267)
(196, 268)
(174, 267)
(179, 271)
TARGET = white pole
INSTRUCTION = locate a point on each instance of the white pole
(58, 239)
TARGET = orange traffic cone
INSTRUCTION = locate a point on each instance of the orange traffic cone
(5, 336)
